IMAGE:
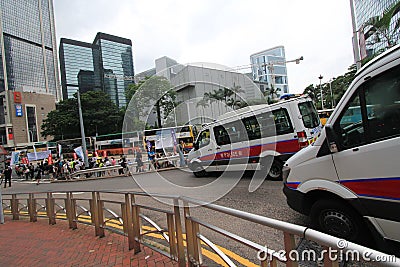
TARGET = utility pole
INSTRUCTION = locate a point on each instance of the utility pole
(84, 148)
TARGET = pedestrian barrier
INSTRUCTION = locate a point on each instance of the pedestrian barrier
(111, 170)
(182, 233)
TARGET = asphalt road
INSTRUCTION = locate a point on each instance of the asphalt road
(231, 190)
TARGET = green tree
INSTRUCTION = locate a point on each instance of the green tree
(100, 115)
(380, 30)
(155, 94)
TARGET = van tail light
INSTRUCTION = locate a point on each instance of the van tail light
(303, 142)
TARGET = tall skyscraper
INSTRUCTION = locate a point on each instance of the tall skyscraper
(105, 65)
(28, 64)
(363, 11)
(269, 67)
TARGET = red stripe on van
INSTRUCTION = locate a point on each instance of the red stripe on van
(383, 188)
(283, 147)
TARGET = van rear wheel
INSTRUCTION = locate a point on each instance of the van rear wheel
(334, 217)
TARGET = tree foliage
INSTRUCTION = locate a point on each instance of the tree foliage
(154, 94)
(338, 85)
(380, 30)
(100, 115)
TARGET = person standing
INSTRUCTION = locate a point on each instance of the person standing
(39, 170)
(139, 162)
(7, 176)
(181, 148)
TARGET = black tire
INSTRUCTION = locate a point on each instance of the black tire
(198, 171)
(335, 217)
(275, 171)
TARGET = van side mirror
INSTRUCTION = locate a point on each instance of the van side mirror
(331, 137)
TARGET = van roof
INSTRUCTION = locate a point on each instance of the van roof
(256, 108)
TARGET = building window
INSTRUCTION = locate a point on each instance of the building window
(31, 122)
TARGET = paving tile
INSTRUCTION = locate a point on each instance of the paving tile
(40, 244)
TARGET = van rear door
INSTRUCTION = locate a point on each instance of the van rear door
(310, 120)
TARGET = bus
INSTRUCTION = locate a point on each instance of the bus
(324, 115)
(117, 144)
(162, 140)
(68, 146)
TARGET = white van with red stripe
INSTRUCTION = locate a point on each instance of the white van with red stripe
(260, 137)
(348, 182)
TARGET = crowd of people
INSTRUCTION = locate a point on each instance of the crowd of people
(62, 169)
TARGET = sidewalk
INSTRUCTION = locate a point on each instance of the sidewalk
(39, 244)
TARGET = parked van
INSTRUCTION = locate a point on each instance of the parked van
(256, 137)
(348, 181)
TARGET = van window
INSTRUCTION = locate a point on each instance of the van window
(283, 124)
(373, 113)
(221, 136)
(382, 96)
(204, 138)
(252, 128)
(309, 114)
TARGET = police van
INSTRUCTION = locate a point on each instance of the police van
(348, 181)
(260, 137)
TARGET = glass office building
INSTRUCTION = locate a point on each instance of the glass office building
(105, 65)
(269, 67)
(28, 64)
(28, 47)
(77, 67)
(363, 11)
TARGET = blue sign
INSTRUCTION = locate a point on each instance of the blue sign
(18, 110)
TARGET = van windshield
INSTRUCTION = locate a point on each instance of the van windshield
(309, 114)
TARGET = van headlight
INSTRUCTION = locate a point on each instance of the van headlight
(285, 173)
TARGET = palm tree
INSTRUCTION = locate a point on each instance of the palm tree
(380, 29)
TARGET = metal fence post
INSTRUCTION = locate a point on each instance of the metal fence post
(171, 235)
(290, 245)
(14, 207)
(32, 208)
(179, 233)
(71, 211)
(128, 224)
(189, 234)
(93, 213)
(50, 208)
(328, 261)
(136, 224)
(100, 215)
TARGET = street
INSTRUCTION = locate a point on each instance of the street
(268, 200)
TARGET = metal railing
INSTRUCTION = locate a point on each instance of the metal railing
(176, 232)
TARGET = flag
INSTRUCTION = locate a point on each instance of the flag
(59, 150)
(14, 158)
(79, 152)
(34, 151)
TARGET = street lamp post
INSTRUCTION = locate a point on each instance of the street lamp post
(332, 100)
(85, 157)
(320, 87)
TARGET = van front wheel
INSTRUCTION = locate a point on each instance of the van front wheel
(335, 218)
(198, 171)
(275, 171)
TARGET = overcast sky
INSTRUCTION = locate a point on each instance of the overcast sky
(223, 32)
